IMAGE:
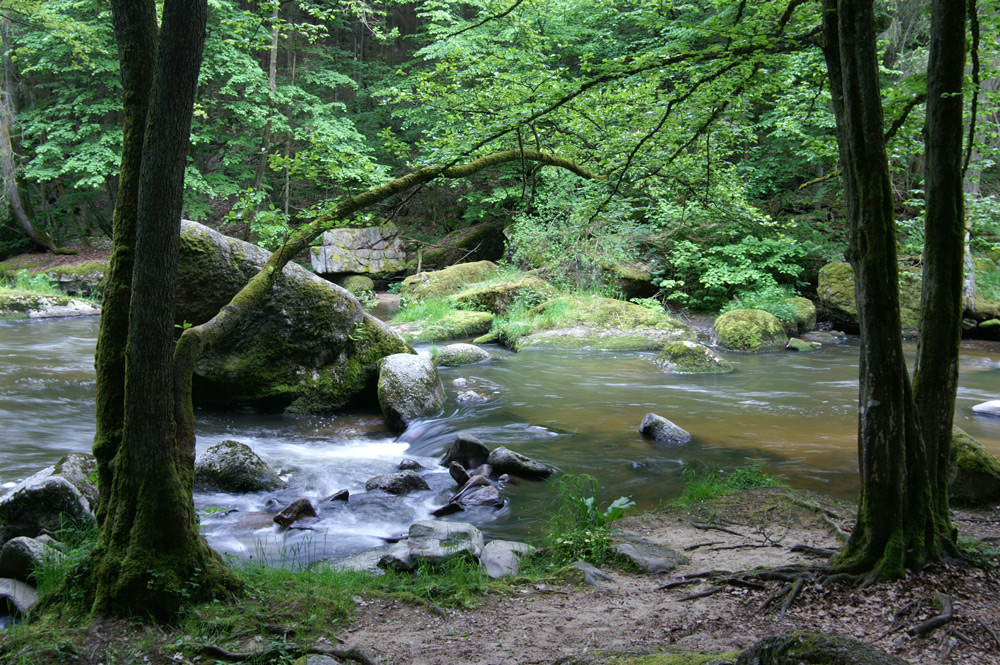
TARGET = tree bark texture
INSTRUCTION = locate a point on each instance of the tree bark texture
(150, 558)
(895, 529)
(941, 302)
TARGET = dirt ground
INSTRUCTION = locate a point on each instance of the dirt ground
(634, 612)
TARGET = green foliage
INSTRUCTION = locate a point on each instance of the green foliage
(65, 573)
(269, 227)
(41, 283)
(772, 298)
(706, 484)
(979, 553)
(579, 529)
(984, 222)
(706, 278)
(430, 310)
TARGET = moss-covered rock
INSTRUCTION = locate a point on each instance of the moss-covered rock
(231, 466)
(687, 357)
(408, 388)
(594, 322)
(25, 305)
(455, 355)
(751, 330)
(634, 280)
(308, 348)
(497, 297)
(803, 346)
(836, 295)
(975, 472)
(445, 282)
(480, 242)
(803, 647)
(357, 284)
(79, 279)
(453, 325)
(805, 315)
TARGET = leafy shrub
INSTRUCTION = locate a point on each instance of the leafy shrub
(772, 298)
(578, 529)
(41, 282)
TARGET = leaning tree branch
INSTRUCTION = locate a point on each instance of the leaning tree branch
(196, 339)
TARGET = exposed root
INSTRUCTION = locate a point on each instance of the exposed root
(712, 527)
(937, 621)
(822, 552)
(989, 630)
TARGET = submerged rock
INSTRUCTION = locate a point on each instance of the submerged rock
(408, 388)
(295, 511)
(308, 348)
(661, 430)
(975, 472)
(455, 355)
(231, 466)
(687, 357)
(752, 330)
(801, 345)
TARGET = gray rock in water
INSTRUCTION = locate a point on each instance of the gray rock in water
(503, 460)
(403, 482)
(18, 597)
(449, 508)
(342, 495)
(800, 647)
(458, 473)
(503, 557)
(21, 556)
(647, 556)
(231, 466)
(687, 357)
(438, 541)
(470, 397)
(45, 501)
(308, 348)
(661, 430)
(409, 465)
(455, 355)
(408, 388)
(991, 408)
(801, 345)
(468, 451)
(293, 512)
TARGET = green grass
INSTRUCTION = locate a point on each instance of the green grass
(39, 283)
(432, 310)
(709, 483)
(988, 284)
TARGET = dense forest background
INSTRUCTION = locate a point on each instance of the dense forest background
(721, 162)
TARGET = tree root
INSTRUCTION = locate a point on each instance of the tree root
(712, 527)
(989, 630)
(275, 655)
(937, 621)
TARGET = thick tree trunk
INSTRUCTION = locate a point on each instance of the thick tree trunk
(894, 528)
(941, 303)
(150, 557)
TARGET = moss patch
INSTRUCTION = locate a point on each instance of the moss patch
(752, 330)
(975, 471)
(497, 298)
(836, 294)
(686, 357)
(453, 325)
(446, 282)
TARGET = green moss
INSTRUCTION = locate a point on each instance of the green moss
(79, 269)
(499, 297)
(969, 454)
(836, 293)
(796, 344)
(805, 313)
(975, 472)
(357, 284)
(752, 330)
(452, 325)
(686, 357)
(446, 282)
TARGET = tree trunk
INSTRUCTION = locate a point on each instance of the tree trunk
(941, 302)
(894, 528)
(150, 557)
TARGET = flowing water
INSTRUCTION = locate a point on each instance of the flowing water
(794, 415)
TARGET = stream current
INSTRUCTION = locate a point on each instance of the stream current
(792, 414)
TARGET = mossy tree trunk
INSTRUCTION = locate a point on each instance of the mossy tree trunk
(149, 558)
(902, 513)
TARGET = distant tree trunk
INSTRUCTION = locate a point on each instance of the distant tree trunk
(895, 527)
(150, 557)
(941, 303)
(9, 168)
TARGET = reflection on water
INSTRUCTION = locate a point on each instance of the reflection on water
(578, 410)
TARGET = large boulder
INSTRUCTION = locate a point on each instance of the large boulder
(687, 357)
(836, 297)
(451, 280)
(661, 430)
(17, 598)
(975, 472)
(308, 348)
(46, 501)
(467, 451)
(804, 647)
(498, 297)
(232, 466)
(20, 556)
(408, 388)
(503, 460)
(402, 482)
(804, 315)
(752, 330)
(436, 542)
(453, 325)
(592, 322)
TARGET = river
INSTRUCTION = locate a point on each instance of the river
(793, 414)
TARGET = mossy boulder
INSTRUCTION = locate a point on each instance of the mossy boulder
(231, 466)
(804, 315)
(594, 322)
(975, 472)
(408, 388)
(79, 279)
(804, 647)
(687, 357)
(836, 297)
(498, 297)
(25, 305)
(634, 280)
(453, 325)
(479, 242)
(455, 355)
(750, 330)
(45, 500)
(446, 282)
(356, 284)
(802, 346)
(308, 348)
